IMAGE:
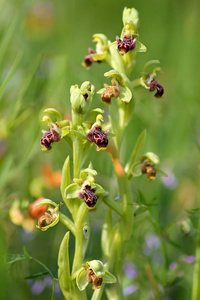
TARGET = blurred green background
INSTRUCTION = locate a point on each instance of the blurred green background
(42, 46)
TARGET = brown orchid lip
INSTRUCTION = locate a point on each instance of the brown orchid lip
(98, 137)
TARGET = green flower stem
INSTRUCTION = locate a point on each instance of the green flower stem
(79, 223)
(136, 83)
(196, 274)
(113, 205)
(77, 149)
(67, 222)
(98, 293)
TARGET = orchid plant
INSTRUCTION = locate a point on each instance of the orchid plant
(80, 190)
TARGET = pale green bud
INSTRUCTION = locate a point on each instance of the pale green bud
(81, 98)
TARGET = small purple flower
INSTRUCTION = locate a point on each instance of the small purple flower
(173, 265)
(153, 85)
(130, 289)
(130, 270)
(37, 287)
(170, 181)
(126, 45)
(189, 259)
(98, 137)
(152, 241)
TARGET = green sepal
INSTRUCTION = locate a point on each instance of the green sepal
(136, 169)
(160, 172)
(92, 117)
(78, 181)
(64, 267)
(140, 47)
(47, 202)
(81, 280)
(85, 172)
(152, 157)
(65, 131)
(97, 267)
(136, 152)
(98, 56)
(130, 16)
(149, 63)
(54, 114)
(71, 192)
(99, 37)
(125, 94)
(115, 74)
(109, 278)
(100, 192)
(79, 134)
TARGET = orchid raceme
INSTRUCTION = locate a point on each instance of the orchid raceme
(82, 188)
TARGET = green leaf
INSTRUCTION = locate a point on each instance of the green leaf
(54, 114)
(106, 233)
(13, 258)
(64, 267)
(37, 275)
(65, 181)
(136, 152)
(26, 253)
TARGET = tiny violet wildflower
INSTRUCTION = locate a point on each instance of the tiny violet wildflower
(130, 270)
(189, 259)
(173, 266)
(130, 289)
(170, 181)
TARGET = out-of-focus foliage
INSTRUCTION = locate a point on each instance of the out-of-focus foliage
(42, 46)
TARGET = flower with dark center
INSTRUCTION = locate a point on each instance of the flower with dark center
(88, 60)
(109, 92)
(49, 137)
(126, 45)
(98, 137)
(148, 169)
(153, 85)
(89, 196)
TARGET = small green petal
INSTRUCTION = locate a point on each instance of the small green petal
(97, 267)
(47, 202)
(114, 74)
(149, 63)
(98, 56)
(136, 169)
(54, 113)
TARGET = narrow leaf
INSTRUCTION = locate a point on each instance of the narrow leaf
(64, 267)
(136, 152)
(37, 275)
(65, 181)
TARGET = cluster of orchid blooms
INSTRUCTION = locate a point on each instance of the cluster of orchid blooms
(86, 130)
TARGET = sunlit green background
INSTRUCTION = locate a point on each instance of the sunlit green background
(42, 46)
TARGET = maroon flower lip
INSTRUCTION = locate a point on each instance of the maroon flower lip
(127, 44)
(98, 137)
(88, 60)
(89, 196)
(49, 137)
(153, 85)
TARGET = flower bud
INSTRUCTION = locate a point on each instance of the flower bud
(81, 97)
